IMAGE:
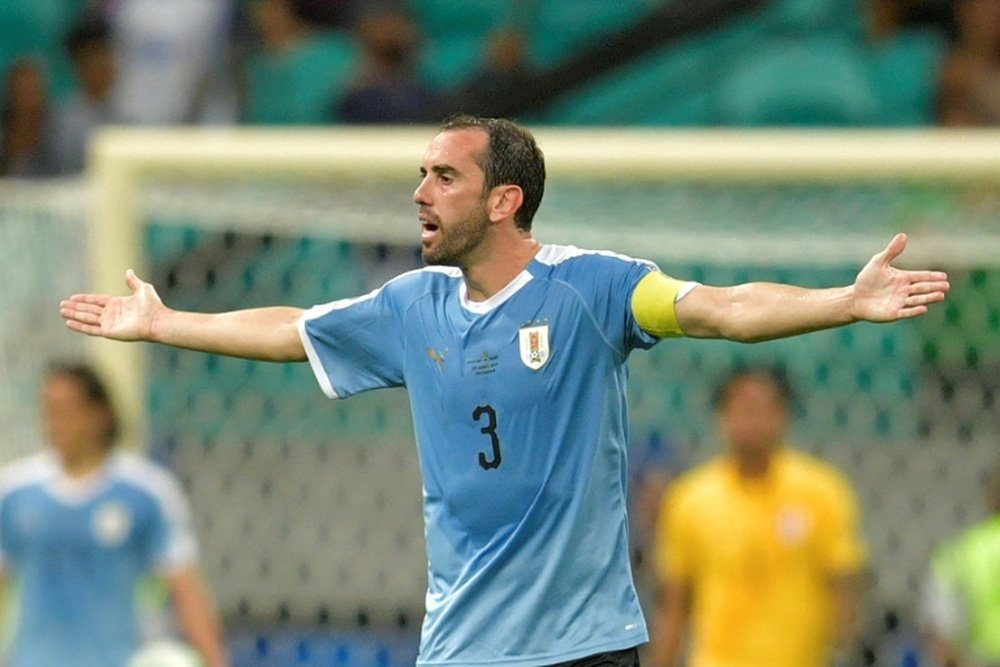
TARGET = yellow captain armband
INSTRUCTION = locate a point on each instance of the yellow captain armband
(653, 304)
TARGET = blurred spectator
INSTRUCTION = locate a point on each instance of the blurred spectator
(385, 88)
(888, 17)
(36, 28)
(652, 465)
(326, 14)
(759, 550)
(173, 61)
(24, 121)
(907, 47)
(300, 66)
(970, 85)
(90, 50)
(82, 528)
(962, 597)
(505, 66)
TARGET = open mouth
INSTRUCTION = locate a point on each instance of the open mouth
(428, 229)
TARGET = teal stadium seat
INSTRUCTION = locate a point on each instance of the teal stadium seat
(678, 85)
(843, 18)
(657, 91)
(300, 88)
(448, 60)
(673, 86)
(462, 16)
(37, 28)
(905, 72)
(559, 27)
(818, 81)
(454, 36)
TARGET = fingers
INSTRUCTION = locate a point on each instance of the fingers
(82, 316)
(71, 306)
(924, 295)
(98, 299)
(82, 312)
(132, 281)
(922, 287)
(917, 277)
(923, 299)
(88, 329)
(915, 311)
(896, 246)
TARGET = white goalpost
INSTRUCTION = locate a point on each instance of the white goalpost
(223, 219)
(126, 162)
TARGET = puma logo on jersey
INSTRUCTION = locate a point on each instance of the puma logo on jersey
(437, 357)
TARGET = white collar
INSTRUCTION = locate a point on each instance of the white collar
(482, 307)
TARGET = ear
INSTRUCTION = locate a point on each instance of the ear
(504, 201)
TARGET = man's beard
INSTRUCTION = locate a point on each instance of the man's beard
(458, 240)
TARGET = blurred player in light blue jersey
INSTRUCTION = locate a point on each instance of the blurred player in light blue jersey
(514, 357)
(81, 526)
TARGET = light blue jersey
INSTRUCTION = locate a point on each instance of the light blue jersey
(519, 409)
(75, 551)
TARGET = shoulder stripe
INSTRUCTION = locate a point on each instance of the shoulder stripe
(557, 254)
(34, 469)
(181, 548)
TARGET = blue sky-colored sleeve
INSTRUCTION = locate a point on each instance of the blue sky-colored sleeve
(354, 345)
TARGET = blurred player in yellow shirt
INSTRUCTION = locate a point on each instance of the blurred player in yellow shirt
(758, 550)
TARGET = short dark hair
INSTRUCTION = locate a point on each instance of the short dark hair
(773, 374)
(93, 388)
(89, 32)
(512, 158)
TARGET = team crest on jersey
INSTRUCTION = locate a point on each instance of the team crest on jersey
(534, 346)
(111, 524)
(792, 526)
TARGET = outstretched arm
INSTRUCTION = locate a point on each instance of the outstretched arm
(267, 334)
(762, 311)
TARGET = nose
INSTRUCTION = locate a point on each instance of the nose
(420, 196)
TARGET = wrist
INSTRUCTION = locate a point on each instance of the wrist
(159, 325)
(851, 310)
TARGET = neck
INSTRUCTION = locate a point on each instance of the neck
(753, 467)
(502, 261)
(82, 464)
(284, 40)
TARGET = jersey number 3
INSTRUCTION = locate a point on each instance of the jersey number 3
(491, 430)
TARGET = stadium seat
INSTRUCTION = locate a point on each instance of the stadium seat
(300, 88)
(461, 16)
(905, 71)
(36, 28)
(560, 26)
(454, 36)
(662, 89)
(448, 60)
(820, 81)
(813, 17)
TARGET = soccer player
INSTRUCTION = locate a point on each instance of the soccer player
(514, 357)
(961, 605)
(759, 551)
(82, 525)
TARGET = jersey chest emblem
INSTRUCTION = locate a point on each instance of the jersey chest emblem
(111, 524)
(534, 344)
(792, 526)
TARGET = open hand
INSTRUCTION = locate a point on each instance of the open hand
(118, 317)
(883, 293)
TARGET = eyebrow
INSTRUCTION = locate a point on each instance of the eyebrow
(439, 169)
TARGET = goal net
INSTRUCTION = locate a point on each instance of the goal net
(309, 510)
